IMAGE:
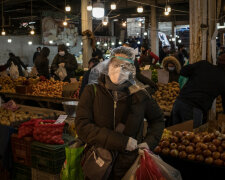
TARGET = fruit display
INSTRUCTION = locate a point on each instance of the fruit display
(219, 106)
(7, 85)
(202, 147)
(154, 75)
(166, 95)
(48, 88)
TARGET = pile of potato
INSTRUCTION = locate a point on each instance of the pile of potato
(48, 88)
(219, 107)
(166, 95)
(202, 147)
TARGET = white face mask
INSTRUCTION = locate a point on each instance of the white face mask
(61, 53)
(117, 75)
(171, 68)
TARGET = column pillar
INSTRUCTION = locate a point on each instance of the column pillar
(154, 33)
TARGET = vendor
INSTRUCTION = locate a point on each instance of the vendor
(147, 56)
(42, 63)
(206, 82)
(64, 60)
(172, 65)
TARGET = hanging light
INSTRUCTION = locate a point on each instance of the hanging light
(89, 6)
(32, 32)
(173, 39)
(67, 44)
(168, 8)
(112, 43)
(140, 9)
(124, 24)
(65, 23)
(105, 21)
(68, 8)
(50, 42)
(170, 39)
(138, 42)
(179, 41)
(81, 43)
(30, 43)
(98, 10)
(166, 13)
(98, 42)
(113, 6)
(9, 40)
(145, 33)
(120, 42)
(105, 44)
(3, 32)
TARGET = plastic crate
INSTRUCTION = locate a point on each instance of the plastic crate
(21, 172)
(40, 175)
(48, 158)
(21, 149)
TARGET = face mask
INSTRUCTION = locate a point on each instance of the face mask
(171, 68)
(61, 53)
(117, 75)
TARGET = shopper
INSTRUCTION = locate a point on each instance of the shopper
(16, 61)
(206, 82)
(163, 53)
(92, 63)
(97, 53)
(64, 60)
(36, 54)
(182, 55)
(42, 63)
(111, 113)
(172, 65)
(147, 56)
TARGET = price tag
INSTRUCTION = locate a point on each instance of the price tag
(61, 119)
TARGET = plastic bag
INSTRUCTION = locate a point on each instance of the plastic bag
(72, 169)
(61, 73)
(13, 71)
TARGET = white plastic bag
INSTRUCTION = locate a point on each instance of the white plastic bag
(13, 71)
(61, 73)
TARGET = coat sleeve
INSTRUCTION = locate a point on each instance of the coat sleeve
(54, 65)
(89, 132)
(72, 63)
(156, 124)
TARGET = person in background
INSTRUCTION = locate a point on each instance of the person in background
(42, 63)
(206, 82)
(66, 60)
(221, 50)
(163, 53)
(111, 113)
(182, 55)
(146, 57)
(36, 53)
(172, 65)
(140, 77)
(97, 53)
(92, 63)
(17, 61)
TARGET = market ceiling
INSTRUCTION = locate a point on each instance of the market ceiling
(19, 11)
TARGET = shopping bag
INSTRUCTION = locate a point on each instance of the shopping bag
(72, 169)
(13, 71)
(61, 73)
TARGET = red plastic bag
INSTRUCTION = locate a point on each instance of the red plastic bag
(46, 131)
(26, 128)
(148, 169)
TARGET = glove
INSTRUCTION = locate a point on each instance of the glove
(131, 144)
(61, 64)
(143, 145)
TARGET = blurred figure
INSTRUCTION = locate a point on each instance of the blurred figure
(66, 61)
(92, 63)
(172, 65)
(36, 53)
(42, 63)
(182, 54)
(163, 53)
(221, 50)
(147, 56)
(97, 53)
(16, 61)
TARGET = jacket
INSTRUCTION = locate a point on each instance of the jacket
(206, 82)
(95, 122)
(70, 65)
(16, 60)
(42, 63)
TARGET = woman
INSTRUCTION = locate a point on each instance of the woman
(172, 65)
(42, 63)
(111, 115)
(147, 56)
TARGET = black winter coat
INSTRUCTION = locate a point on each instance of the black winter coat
(42, 63)
(70, 65)
(17, 61)
(95, 123)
